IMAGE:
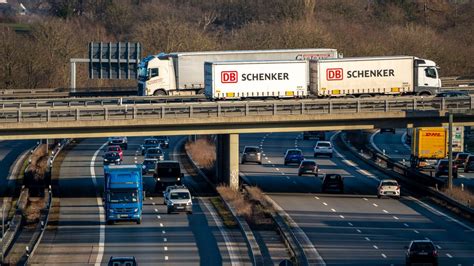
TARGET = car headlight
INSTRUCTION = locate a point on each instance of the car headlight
(169, 203)
(189, 203)
(143, 167)
(179, 178)
(117, 160)
(135, 210)
(105, 160)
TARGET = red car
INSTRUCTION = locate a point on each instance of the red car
(115, 148)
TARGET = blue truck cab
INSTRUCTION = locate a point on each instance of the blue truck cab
(123, 193)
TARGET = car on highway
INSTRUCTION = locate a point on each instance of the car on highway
(293, 156)
(469, 164)
(149, 143)
(332, 182)
(452, 94)
(149, 165)
(115, 148)
(441, 168)
(308, 167)
(251, 154)
(421, 252)
(120, 141)
(323, 148)
(319, 135)
(388, 188)
(155, 153)
(112, 157)
(164, 141)
(388, 129)
(122, 261)
(460, 159)
(178, 199)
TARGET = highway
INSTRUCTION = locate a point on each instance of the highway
(395, 147)
(9, 153)
(353, 228)
(82, 237)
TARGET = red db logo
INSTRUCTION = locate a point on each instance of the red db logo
(334, 74)
(229, 76)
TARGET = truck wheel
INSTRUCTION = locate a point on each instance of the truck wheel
(139, 221)
(159, 93)
(109, 222)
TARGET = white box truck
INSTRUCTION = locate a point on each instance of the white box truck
(368, 76)
(256, 79)
(183, 73)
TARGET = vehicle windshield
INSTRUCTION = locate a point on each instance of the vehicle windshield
(154, 151)
(143, 73)
(443, 162)
(323, 144)
(112, 155)
(165, 171)
(151, 142)
(294, 152)
(251, 150)
(463, 155)
(113, 149)
(308, 163)
(179, 195)
(149, 162)
(422, 246)
(123, 196)
(161, 138)
(390, 183)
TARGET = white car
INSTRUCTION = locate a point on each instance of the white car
(389, 188)
(178, 199)
(323, 148)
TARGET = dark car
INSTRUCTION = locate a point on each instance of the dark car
(320, 135)
(154, 153)
(120, 141)
(421, 251)
(442, 168)
(452, 94)
(333, 182)
(469, 164)
(308, 167)
(164, 141)
(293, 156)
(388, 129)
(149, 143)
(122, 261)
(149, 165)
(112, 157)
(460, 159)
(252, 154)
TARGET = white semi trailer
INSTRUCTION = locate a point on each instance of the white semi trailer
(183, 73)
(348, 77)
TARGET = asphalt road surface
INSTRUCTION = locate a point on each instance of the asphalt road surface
(354, 228)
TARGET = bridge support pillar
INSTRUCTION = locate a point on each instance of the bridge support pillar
(227, 167)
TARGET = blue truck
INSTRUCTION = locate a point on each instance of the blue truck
(123, 193)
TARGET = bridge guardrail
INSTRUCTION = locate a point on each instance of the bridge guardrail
(235, 109)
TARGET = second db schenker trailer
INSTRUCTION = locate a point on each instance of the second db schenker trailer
(347, 77)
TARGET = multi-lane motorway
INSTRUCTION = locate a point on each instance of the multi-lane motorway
(82, 237)
(355, 228)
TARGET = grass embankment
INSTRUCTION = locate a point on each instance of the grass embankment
(203, 152)
(464, 196)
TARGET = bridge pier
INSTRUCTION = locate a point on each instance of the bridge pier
(227, 161)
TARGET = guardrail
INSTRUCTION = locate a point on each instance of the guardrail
(422, 182)
(236, 109)
(66, 92)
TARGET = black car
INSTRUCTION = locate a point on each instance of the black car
(460, 159)
(452, 94)
(308, 167)
(154, 153)
(149, 143)
(441, 168)
(164, 141)
(333, 182)
(149, 165)
(469, 164)
(112, 157)
(122, 261)
(421, 251)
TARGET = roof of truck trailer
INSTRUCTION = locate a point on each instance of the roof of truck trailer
(247, 51)
(255, 62)
(123, 167)
(364, 58)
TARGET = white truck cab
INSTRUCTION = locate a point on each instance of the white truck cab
(428, 82)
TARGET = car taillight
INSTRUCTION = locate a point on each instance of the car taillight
(435, 253)
(398, 187)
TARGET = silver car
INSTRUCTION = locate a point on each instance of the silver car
(252, 154)
(178, 199)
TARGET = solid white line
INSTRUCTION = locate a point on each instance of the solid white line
(229, 245)
(349, 162)
(404, 141)
(338, 154)
(100, 251)
(384, 256)
(449, 255)
(372, 142)
(435, 211)
(368, 239)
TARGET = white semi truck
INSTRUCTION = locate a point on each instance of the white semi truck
(183, 73)
(338, 77)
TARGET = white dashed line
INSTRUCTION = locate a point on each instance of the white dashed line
(269, 161)
(384, 256)
(350, 224)
(156, 210)
(161, 224)
(365, 199)
(153, 203)
(365, 172)
(368, 239)
(375, 205)
(358, 231)
(385, 211)
(165, 239)
(406, 225)
(264, 155)
(333, 210)
(342, 216)
(287, 177)
(316, 198)
(278, 169)
(159, 217)
(136, 162)
(438, 247)
(166, 248)
(395, 217)
(416, 231)
(375, 247)
(449, 255)
(166, 257)
(163, 232)
(151, 198)
(135, 158)
(266, 158)
(349, 162)
(325, 204)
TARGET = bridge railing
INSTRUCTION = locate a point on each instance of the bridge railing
(235, 109)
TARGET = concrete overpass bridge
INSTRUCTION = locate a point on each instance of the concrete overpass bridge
(231, 118)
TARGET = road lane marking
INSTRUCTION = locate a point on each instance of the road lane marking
(349, 162)
(342, 216)
(156, 210)
(151, 198)
(350, 224)
(375, 247)
(438, 247)
(165, 239)
(166, 248)
(163, 232)
(385, 211)
(266, 158)
(100, 251)
(325, 204)
(333, 210)
(358, 231)
(406, 225)
(278, 169)
(435, 211)
(316, 198)
(161, 224)
(153, 203)
(269, 161)
(372, 142)
(159, 217)
(365, 199)
(365, 172)
(449, 255)
(166, 257)
(234, 258)
(338, 154)
(287, 177)
(384, 256)
(368, 239)
(416, 231)
(375, 205)
(395, 217)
